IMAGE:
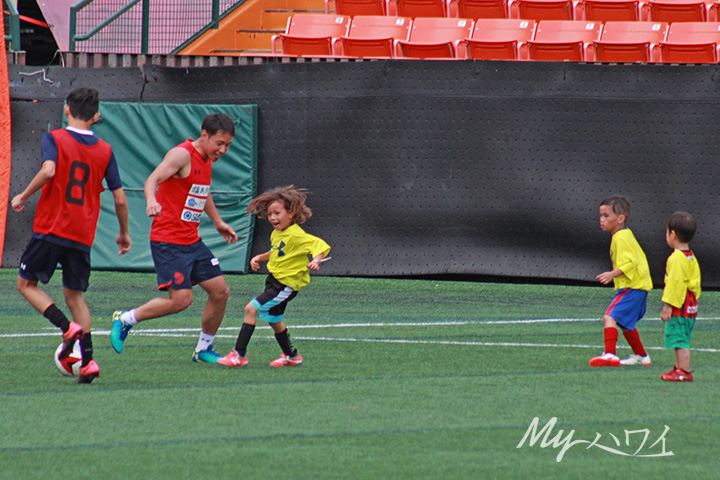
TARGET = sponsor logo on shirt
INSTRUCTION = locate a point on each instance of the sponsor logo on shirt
(191, 216)
(200, 190)
(195, 203)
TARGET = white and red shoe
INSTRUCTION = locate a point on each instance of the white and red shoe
(635, 359)
(233, 359)
(285, 361)
(605, 360)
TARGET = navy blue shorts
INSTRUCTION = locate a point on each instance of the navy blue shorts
(182, 266)
(271, 304)
(41, 258)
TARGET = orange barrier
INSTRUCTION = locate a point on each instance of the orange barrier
(5, 140)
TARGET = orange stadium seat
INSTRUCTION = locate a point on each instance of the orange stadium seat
(418, 8)
(691, 42)
(563, 40)
(543, 9)
(609, 10)
(499, 39)
(677, 10)
(372, 36)
(357, 7)
(436, 38)
(630, 42)
(311, 34)
(475, 9)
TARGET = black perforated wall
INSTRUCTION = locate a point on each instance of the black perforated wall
(482, 168)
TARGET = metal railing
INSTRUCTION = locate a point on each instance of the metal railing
(142, 26)
(12, 26)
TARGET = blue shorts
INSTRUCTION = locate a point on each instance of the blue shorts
(271, 304)
(41, 257)
(628, 307)
(182, 266)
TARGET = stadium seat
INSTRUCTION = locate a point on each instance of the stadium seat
(417, 8)
(543, 9)
(311, 35)
(372, 36)
(436, 38)
(357, 7)
(475, 9)
(609, 10)
(691, 42)
(564, 40)
(630, 42)
(677, 10)
(499, 39)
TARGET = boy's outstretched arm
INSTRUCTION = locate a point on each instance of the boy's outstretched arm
(255, 261)
(314, 264)
(46, 173)
(122, 212)
(224, 229)
(607, 277)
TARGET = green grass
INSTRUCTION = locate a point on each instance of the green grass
(408, 379)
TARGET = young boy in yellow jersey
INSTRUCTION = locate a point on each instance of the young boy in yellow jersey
(288, 264)
(631, 276)
(682, 290)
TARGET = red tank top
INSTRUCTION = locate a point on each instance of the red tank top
(69, 205)
(183, 202)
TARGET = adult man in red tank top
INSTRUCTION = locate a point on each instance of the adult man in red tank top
(75, 163)
(177, 193)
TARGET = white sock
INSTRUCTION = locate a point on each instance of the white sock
(204, 342)
(129, 317)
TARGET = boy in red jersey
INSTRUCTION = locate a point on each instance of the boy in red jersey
(177, 192)
(75, 163)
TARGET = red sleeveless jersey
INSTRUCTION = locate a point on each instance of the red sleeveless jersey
(69, 205)
(183, 202)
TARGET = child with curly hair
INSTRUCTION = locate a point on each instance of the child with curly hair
(291, 248)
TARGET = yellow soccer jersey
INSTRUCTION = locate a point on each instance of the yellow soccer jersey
(682, 274)
(289, 255)
(627, 255)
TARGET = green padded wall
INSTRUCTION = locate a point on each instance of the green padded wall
(141, 134)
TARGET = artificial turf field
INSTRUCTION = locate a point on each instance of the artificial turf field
(413, 379)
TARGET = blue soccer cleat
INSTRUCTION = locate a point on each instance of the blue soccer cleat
(206, 356)
(119, 332)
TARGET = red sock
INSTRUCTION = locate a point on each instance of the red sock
(633, 339)
(611, 337)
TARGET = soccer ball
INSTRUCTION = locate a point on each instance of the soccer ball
(70, 367)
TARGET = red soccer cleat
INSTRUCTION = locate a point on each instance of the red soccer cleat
(88, 373)
(605, 360)
(72, 335)
(233, 359)
(677, 375)
(285, 361)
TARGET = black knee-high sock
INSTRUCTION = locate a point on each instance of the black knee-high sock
(283, 339)
(87, 348)
(246, 332)
(57, 318)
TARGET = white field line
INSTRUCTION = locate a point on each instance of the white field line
(478, 343)
(183, 332)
